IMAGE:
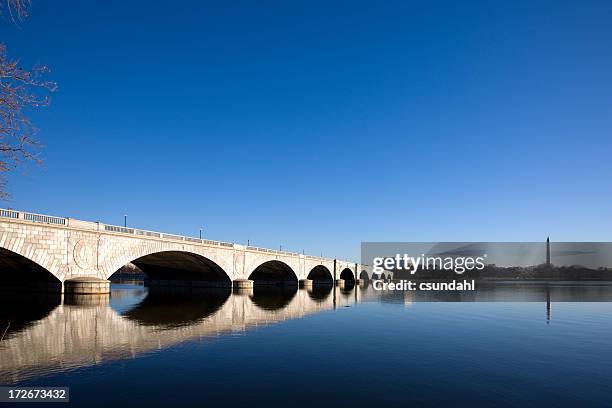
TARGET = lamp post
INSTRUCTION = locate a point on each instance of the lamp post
(201, 233)
(124, 220)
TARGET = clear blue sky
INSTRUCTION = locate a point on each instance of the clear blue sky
(317, 125)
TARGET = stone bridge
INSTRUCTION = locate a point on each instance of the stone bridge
(44, 252)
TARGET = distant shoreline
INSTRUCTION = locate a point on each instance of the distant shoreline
(603, 282)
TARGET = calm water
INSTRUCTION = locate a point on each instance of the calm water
(504, 346)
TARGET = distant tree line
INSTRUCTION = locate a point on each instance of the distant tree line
(573, 273)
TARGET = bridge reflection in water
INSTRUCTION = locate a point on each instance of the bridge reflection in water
(46, 334)
(42, 334)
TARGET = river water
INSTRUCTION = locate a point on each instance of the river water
(506, 345)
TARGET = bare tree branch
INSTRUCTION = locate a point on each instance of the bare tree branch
(21, 91)
(18, 9)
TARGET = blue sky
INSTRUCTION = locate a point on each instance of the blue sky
(316, 125)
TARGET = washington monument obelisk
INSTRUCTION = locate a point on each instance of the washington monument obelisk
(548, 252)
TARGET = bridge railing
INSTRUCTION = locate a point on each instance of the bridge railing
(316, 258)
(9, 214)
(148, 233)
(33, 217)
(271, 251)
(45, 219)
(113, 228)
(154, 234)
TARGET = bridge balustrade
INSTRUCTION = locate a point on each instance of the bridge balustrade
(32, 217)
(9, 214)
(114, 228)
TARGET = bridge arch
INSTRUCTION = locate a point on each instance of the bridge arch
(274, 272)
(364, 275)
(320, 275)
(19, 272)
(348, 275)
(171, 266)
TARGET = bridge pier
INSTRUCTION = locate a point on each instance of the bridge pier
(85, 285)
(243, 291)
(243, 284)
(305, 283)
(340, 282)
(91, 299)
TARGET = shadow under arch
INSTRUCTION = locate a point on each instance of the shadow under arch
(20, 310)
(320, 293)
(168, 308)
(364, 276)
(273, 297)
(178, 268)
(321, 275)
(18, 273)
(347, 275)
(274, 273)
